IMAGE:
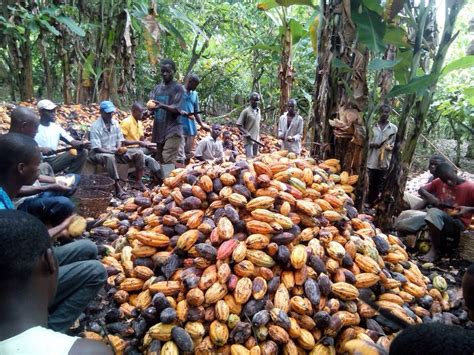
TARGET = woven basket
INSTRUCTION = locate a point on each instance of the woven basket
(91, 203)
(466, 245)
(96, 182)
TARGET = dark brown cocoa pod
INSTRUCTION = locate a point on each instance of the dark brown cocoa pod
(139, 327)
(217, 185)
(144, 262)
(182, 339)
(283, 254)
(269, 348)
(206, 251)
(273, 285)
(195, 314)
(243, 190)
(347, 260)
(168, 315)
(241, 332)
(283, 238)
(171, 264)
(324, 283)
(317, 264)
(180, 228)
(261, 318)
(322, 319)
(350, 277)
(150, 315)
(191, 203)
(312, 292)
(280, 318)
(191, 281)
(142, 201)
(231, 213)
(335, 325)
(160, 302)
(120, 328)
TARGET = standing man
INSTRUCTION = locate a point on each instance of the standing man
(190, 106)
(132, 129)
(80, 274)
(48, 137)
(165, 101)
(380, 153)
(106, 140)
(290, 129)
(249, 124)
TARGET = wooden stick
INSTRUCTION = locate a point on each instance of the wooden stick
(440, 152)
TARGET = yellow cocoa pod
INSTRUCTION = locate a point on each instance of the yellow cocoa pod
(215, 293)
(243, 290)
(77, 227)
(345, 291)
(298, 256)
(161, 331)
(169, 348)
(132, 284)
(218, 333)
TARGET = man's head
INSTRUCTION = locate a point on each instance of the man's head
(24, 121)
(216, 131)
(291, 107)
(447, 174)
(47, 110)
(468, 290)
(107, 109)
(19, 158)
(435, 160)
(192, 82)
(385, 112)
(28, 267)
(433, 338)
(137, 110)
(226, 135)
(254, 100)
(167, 69)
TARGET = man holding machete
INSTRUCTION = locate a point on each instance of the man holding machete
(380, 152)
(189, 116)
(249, 124)
(48, 137)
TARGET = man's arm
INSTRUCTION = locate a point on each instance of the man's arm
(299, 131)
(87, 346)
(96, 143)
(240, 123)
(280, 128)
(26, 191)
(429, 197)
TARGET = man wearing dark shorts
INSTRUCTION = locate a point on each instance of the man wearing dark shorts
(452, 201)
(165, 101)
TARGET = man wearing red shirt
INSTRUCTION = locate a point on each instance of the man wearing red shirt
(452, 199)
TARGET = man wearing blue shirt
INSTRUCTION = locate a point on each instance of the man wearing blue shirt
(190, 108)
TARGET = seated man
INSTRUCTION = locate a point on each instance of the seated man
(414, 202)
(209, 149)
(80, 274)
(106, 141)
(132, 129)
(45, 198)
(228, 146)
(48, 137)
(29, 279)
(23, 120)
(452, 201)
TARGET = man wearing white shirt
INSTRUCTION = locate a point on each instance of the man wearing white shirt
(48, 137)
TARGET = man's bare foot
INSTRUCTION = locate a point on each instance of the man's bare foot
(430, 256)
(119, 193)
(140, 186)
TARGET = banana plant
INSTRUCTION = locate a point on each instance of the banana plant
(281, 12)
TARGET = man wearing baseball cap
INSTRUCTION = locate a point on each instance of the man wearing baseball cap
(106, 142)
(48, 137)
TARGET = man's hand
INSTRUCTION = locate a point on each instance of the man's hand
(462, 211)
(46, 151)
(374, 145)
(86, 145)
(60, 229)
(206, 127)
(58, 187)
(290, 139)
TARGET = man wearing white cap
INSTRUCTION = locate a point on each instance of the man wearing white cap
(48, 137)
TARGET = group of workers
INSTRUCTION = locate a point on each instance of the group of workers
(64, 279)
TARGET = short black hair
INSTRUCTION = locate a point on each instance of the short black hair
(193, 77)
(444, 168)
(23, 239)
(21, 115)
(253, 95)
(15, 148)
(438, 158)
(169, 62)
(385, 105)
(137, 105)
(433, 338)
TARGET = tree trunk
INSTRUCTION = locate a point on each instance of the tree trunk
(285, 71)
(405, 145)
(457, 138)
(331, 99)
(25, 69)
(46, 66)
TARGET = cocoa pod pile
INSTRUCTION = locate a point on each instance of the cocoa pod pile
(258, 257)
